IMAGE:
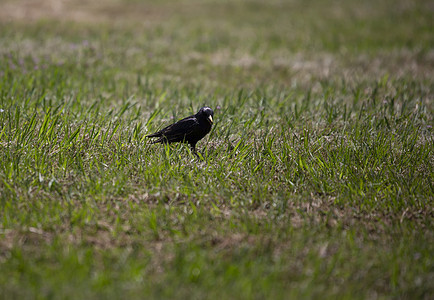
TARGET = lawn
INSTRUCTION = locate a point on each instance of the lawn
(315, 182)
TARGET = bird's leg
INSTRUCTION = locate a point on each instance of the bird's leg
(193, 149)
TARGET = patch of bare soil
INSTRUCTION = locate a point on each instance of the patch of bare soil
(77, 10)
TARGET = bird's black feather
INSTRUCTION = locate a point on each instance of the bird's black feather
(190, 129)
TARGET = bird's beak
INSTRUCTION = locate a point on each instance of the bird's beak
(210, 119)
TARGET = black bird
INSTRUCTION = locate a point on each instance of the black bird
(189, 130)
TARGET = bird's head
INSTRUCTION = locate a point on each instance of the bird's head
(207, 113)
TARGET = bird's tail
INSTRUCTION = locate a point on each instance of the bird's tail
(157, 134)
(157, 141)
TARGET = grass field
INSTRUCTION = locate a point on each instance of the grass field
(316, 180)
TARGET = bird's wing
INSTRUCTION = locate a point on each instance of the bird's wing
(178, 129)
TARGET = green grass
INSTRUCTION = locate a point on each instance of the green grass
(317, 177)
